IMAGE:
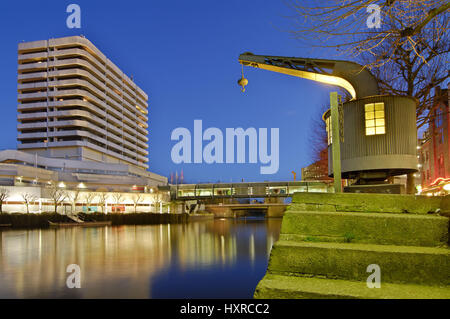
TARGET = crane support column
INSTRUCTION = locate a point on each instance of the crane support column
(336, 142)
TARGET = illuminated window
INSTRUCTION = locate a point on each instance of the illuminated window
(328, 124)
(375, 122)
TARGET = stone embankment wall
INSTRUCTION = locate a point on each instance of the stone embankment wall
(329, 241)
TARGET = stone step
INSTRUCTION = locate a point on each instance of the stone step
(274, 286)
(376, 228)
(398, 264)
(377, 203)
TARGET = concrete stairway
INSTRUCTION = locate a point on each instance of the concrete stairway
(75, 218)
(327, 242)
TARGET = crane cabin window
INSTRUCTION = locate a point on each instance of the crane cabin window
(375, 120)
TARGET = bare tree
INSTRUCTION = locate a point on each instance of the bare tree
(118, 197)
(103, 197)
(4, 194)
(89, 198)
(28, 199)
(318, 141)
(136, 198)
(350, 27)
(158, 198)
(407, 74)
(57, 196)
(73, 197)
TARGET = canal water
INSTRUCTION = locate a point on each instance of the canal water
(221, 258)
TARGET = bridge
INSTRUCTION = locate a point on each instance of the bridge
(234, 199)
(242, 190)
(242, 210)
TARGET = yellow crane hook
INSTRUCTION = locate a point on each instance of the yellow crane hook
(242, 81)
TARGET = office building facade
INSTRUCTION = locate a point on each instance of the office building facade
(82, 123)
(74, 103)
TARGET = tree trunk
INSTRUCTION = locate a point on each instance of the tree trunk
(410, 184)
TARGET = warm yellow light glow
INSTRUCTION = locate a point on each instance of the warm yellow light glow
(447, 187)
(323, 78)
(81, 185)
(61, 184)
(141, 110)
(374, 117)
(329, 130)
(419, 189)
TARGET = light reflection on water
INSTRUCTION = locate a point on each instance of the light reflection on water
(224, 258)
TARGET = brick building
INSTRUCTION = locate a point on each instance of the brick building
(434, 149)
(317, 171)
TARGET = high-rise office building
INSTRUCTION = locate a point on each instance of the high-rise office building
(74, 103)
(82, 123)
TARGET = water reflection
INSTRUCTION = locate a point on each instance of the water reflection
(224, 258)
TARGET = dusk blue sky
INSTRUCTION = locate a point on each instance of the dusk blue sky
(184, 55)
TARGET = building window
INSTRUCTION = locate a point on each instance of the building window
(439, 118)
(438, 122)
(329, 134)
(441, 166)
(375, 121)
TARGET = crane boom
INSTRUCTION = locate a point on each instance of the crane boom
(358, 81)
